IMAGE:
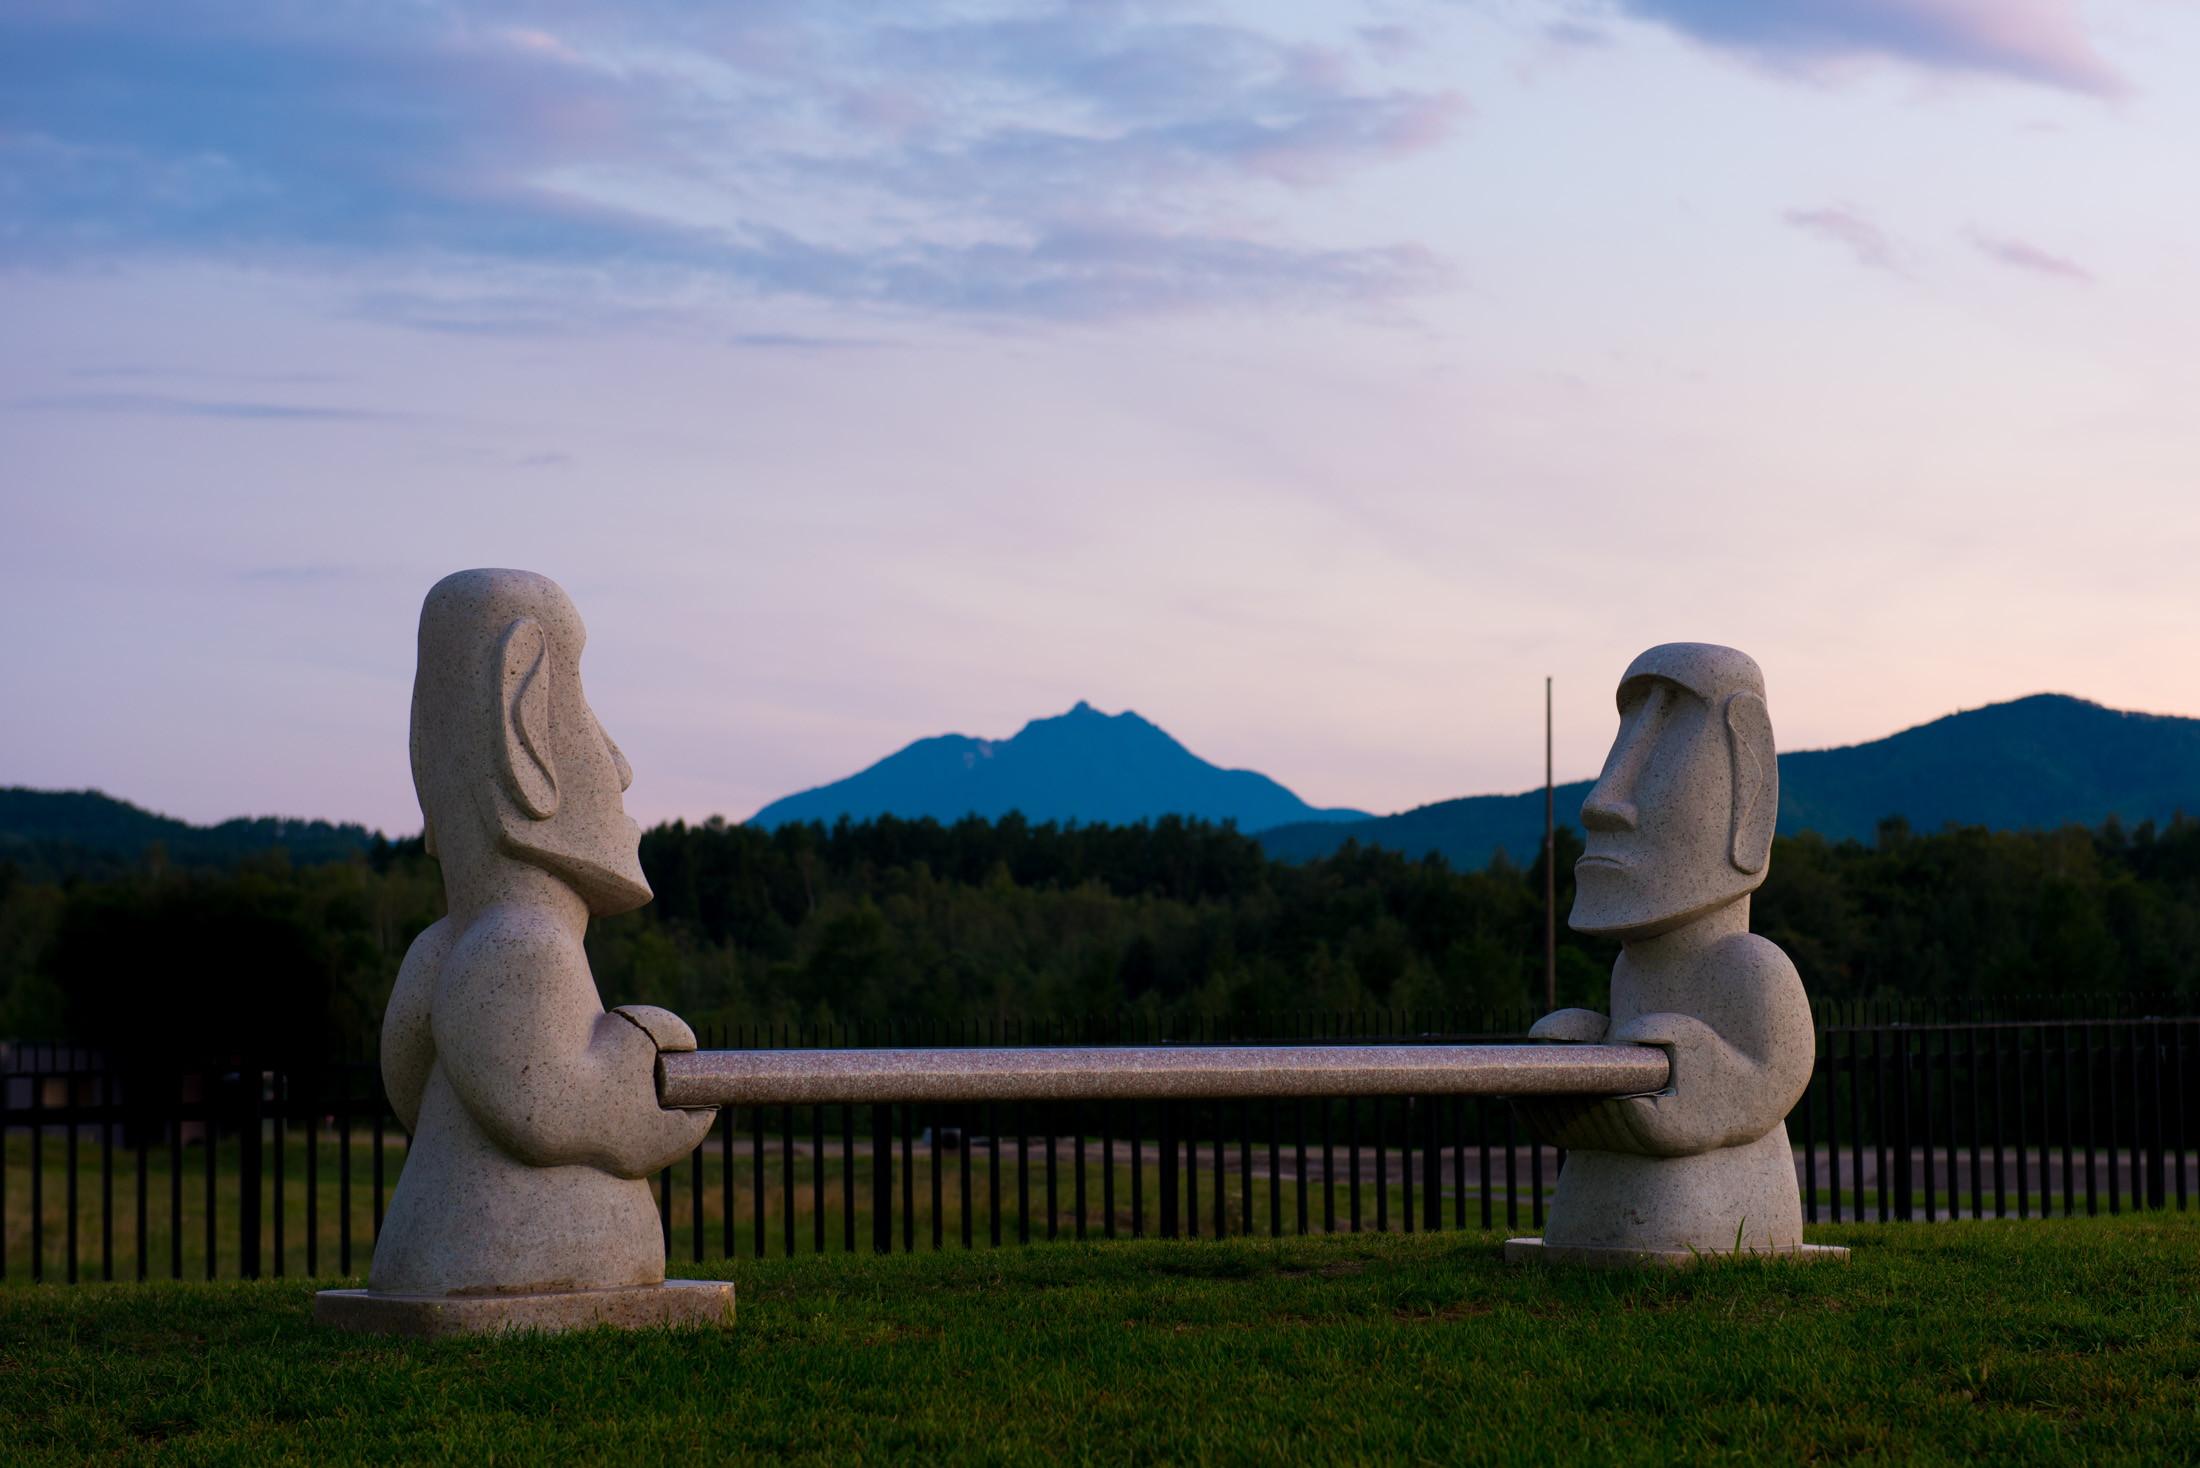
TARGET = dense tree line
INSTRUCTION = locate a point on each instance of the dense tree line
(915, 919)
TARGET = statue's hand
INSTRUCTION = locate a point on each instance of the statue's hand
(1575, 1026)
(1711, 1098)
(636, 1135)
(661, 1025)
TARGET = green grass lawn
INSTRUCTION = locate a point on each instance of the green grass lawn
(2006, 1342)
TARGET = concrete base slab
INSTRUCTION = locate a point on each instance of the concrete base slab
(1523, 1251)
(685, 1302)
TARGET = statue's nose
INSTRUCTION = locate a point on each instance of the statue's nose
(1608, 816)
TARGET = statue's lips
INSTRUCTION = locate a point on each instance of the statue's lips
(1601, 859)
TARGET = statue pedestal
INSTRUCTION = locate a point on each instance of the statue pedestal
(682, 1302)
(1525, 1251)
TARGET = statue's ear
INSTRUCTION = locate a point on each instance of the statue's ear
(523, 719)
(1756, 781)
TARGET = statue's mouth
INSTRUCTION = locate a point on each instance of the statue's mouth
(1600, 859)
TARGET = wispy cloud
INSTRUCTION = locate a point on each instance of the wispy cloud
(196, 407)
(1866, 243)
(2023, 256)
(2041, 41)
(1035, 157)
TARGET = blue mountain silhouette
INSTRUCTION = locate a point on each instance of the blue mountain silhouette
(1083, 766)
(2038, 761)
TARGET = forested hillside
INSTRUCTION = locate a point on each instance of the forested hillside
(905, 919)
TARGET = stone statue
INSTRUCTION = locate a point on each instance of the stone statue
(1679, 833)
(533, 1112)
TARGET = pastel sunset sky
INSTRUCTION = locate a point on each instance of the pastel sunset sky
(1311, 378)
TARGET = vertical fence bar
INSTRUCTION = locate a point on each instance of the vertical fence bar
(68, 1158)
(1245, 1166)
(1054, 1220)
(1535, 1182)
(38, 1178)
(106, 1176)
(1512, 1168)
(1107, 1169)
(143, 1123)
(175, 1195)
(1459, 1162)
(213, 1145)
(1925, 1109)
(2115, 1133)
(1023, 1177)
(1432, 1165)
(2184, 1104)
(908, 1182)
(847, 1179)
(313, 1178)
(760, 1240)
(1298, 1155)
(1165, 1117)
(2067, 1126)
(967, 1136)
(727, 1126)
(2024, 1135)
(882, 1179)
(343, 1170)
(1351, 1132)
(1191, 1169)
(993, 1169)
(1879, 1124)
(937, 1131)
(2092, 1149)
(1856, 1130)
(696, 1193)
(2157, 1184)
(788, 1184)
(1952, 1173)
(276, 1172)
(1810, 1143)
(2001, 1181)
(664, 1208)
(1978, 1180)
(375, 1105)
(1482, 1146)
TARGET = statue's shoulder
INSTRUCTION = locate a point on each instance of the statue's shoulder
(511, 938)
(1754, 956)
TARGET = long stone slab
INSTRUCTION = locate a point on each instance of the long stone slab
(677, 1302)
(699, 1078)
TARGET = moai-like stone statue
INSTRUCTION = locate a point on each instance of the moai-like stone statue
(535, 1125)
(1679, 833)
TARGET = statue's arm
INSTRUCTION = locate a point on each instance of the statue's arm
(408, 1044)
(539, 1064)
(1731, 1086)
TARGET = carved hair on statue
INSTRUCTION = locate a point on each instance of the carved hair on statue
(1756, 781)
(524, 760)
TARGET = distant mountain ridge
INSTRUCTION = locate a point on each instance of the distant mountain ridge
(1083, 765)
(2039, 761)
(51, 833)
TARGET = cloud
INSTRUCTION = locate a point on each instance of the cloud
(2023, 256)
(198, 408)
(2040, 41)
(1029, 156)
(1849, 229)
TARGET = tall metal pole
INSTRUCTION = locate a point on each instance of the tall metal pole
(1550, 866)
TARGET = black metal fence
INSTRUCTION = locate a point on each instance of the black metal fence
(253, 1170)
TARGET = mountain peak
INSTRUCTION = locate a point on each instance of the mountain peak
(1083, 765)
